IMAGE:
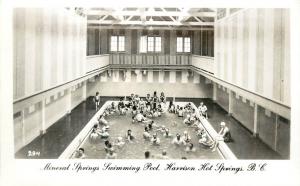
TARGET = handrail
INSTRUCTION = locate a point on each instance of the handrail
(255, 97)
(49, 90)
(100, 55)
(276, 106)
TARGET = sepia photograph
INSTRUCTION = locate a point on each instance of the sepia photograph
(173, 82)
(153, 82)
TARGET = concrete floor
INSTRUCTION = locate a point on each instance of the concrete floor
(60, 134)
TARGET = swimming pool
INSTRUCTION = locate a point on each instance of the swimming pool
(119, 124)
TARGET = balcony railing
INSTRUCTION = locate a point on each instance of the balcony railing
(149, 60)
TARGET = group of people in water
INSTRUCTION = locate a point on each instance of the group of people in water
(143, 111)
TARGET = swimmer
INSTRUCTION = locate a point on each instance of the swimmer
(103, 134)
(186, 137)
(190, 147)
(177, 140)
(155, 140)
(80, 154)
(164, 155)
(129, 136)
(119, 142)
(102, 120)
(146, 134)
(94, 136)
(167, 133)
(111, 155)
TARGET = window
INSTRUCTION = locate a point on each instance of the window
(121, 43)
(187, 44)
(117, 43)
(157, 44)
(150, 44)
(183, 44)
(179, 44)
(143, 44)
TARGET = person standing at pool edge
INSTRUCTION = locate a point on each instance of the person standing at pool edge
(97, 101)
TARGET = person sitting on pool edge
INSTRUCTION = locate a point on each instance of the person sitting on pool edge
(171, 108)
(180, 112)
(203, 110)
(121, 107)
(224, 134)
(155, 140)
(205, 141)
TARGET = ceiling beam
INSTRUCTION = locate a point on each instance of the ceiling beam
(151, 13)
(154, 27)
(108, 22)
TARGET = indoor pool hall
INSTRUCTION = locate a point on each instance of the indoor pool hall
(151, 83)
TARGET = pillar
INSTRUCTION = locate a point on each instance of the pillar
(276, 132)
(230, 103)
(69, 100)
(214, 92)
(84, 88)
(43, 123)
(255, 131)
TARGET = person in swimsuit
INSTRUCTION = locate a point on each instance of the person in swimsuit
(97, 101)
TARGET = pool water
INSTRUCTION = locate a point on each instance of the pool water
(119, 124)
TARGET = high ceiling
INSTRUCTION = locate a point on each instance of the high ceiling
(152, 17)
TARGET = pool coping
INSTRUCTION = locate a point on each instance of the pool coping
(77, 142)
